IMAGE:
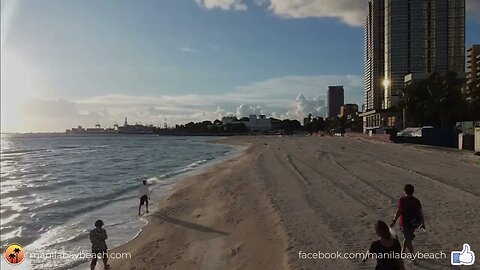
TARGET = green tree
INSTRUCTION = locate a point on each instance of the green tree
(436, 101)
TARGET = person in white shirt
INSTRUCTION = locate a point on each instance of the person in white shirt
(143, 195)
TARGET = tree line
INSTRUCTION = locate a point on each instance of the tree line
(439, 100)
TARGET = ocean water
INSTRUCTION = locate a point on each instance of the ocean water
(54, 188)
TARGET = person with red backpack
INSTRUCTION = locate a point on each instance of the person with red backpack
(411, 217)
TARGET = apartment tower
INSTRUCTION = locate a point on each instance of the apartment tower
(421, 37)
(473, 67)
(374, 55)
(336, 99)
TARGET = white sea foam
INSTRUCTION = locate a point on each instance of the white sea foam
(61, 193)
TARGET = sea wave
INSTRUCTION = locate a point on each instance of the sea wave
(22, 151)
(33, 186)
(187, 168)
(82, 179)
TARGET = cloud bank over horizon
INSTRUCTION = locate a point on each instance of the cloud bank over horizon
(292, 97)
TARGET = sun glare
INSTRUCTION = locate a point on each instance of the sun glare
(17, 86)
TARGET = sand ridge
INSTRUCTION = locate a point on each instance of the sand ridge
(291, 194)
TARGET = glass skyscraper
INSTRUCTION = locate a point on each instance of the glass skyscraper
(408, 37)
(421, 37)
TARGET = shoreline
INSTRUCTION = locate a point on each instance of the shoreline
(175, 180)
(169, 213)
(284, 195)
(183, 176)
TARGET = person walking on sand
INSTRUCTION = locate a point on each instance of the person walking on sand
(99, 246)
(411, 217)
(143, 195)
(386, 250)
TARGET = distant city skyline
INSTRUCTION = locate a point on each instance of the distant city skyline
(68, 63)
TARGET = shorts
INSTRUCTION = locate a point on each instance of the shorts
(143, 199)
(408, 233)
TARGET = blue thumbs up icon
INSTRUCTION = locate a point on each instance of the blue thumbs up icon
(464, 257)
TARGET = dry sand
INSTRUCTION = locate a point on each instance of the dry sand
(291, 194)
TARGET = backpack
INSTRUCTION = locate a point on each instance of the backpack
(415, 222)
(411, 214)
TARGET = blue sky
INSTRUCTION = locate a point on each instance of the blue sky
(80, 62)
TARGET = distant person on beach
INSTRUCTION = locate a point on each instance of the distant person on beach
(411, 217)
(384, 247)
(99, 246)
(143, 195)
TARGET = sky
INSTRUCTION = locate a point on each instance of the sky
(82, 62)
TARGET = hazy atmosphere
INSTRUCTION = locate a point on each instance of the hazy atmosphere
(69, 63)
(240, 134)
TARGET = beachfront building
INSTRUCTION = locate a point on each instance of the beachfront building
(374, 55)
(473, 66)
(420, 37)
(262, 123)
(374, 67)
(336, 99)
(348, 110)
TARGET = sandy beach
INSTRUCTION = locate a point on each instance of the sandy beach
(310, 194)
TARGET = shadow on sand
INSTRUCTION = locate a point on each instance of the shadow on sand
(189, 225)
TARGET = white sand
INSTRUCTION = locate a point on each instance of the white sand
(309, 194)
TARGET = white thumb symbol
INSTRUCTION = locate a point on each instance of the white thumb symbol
(467, 257)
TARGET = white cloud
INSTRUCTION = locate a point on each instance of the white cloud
(276, 91)
(351, 12)
(222, 4)
(188, 49)
(473, 9)
(276, 97)
(246, 110)
(304, 106)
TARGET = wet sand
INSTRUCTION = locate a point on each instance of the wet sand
(291, 194)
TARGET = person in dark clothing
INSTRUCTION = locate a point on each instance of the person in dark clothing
(99, 246)
(386, 250)
(411, 217)
(143, 195)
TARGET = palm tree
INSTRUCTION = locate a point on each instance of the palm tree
(446, 96)
(16, 251)
(414, 104)
(434, 101)
(12, 256)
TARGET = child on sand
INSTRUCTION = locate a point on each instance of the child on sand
(99, 246)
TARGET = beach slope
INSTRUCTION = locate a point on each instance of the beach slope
(310, 194)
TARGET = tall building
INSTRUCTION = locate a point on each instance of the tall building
(335, 100)
(473, 66)
(421, 36)
(374, 55)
